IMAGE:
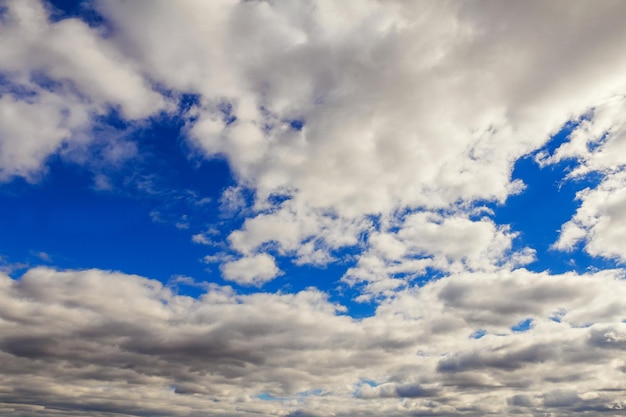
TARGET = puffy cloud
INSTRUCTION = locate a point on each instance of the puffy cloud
(598, 145)
(600, 220)
(599, 140)
(251, 270)
(56, 77)
(370, 108)
(345, 111)
(102, 343)
(422, 240)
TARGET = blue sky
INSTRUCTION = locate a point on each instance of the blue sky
(66, 221)
(312, 209)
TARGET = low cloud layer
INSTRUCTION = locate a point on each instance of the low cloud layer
(101, 343)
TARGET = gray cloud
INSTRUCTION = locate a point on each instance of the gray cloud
(512, 360)
(102, 343)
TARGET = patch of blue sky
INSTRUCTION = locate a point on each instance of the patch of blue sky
(37, 81)
(277, 199)
(356, 310)
(375, 221)
(111, 119)
(297, 124)
(80, 227)
(369, 382)
(557, 316)
(430, 274)
(228, 117)
(47, 83)
(478, 334)
(78, 9)
(186, 101)
(19, 91)
(547, 202)
(310, 393)
(327, 279)
(522, 326)
(266, 396)
(363, 382)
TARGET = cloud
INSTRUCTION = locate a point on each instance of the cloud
(368, 108)
(598, 140)
(345, 112)
(201, 239)
(57, 77)
(232, 201)
(599, 221)
(392, 390)
(422, 240)
(597, 145)
(251, 270)
(105, 343)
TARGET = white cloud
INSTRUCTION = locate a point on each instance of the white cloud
(600, 220)
(599, 140)
(400, 105)
(57, 77)
(403, 105)
(598, 144)
(251, 270)
(31, 130)
(183, 223)
(201, 239)
(449, 243)
(232, 201)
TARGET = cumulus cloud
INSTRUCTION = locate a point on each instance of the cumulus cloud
(56, 78)
(345, 111)
(597, 144)
(600, 220)
(102, 343)
(369, 108)
(423, 240)
(251, 270)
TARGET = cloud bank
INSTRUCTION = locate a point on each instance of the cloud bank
(101, 343)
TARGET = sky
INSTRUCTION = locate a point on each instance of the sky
(312, 208)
